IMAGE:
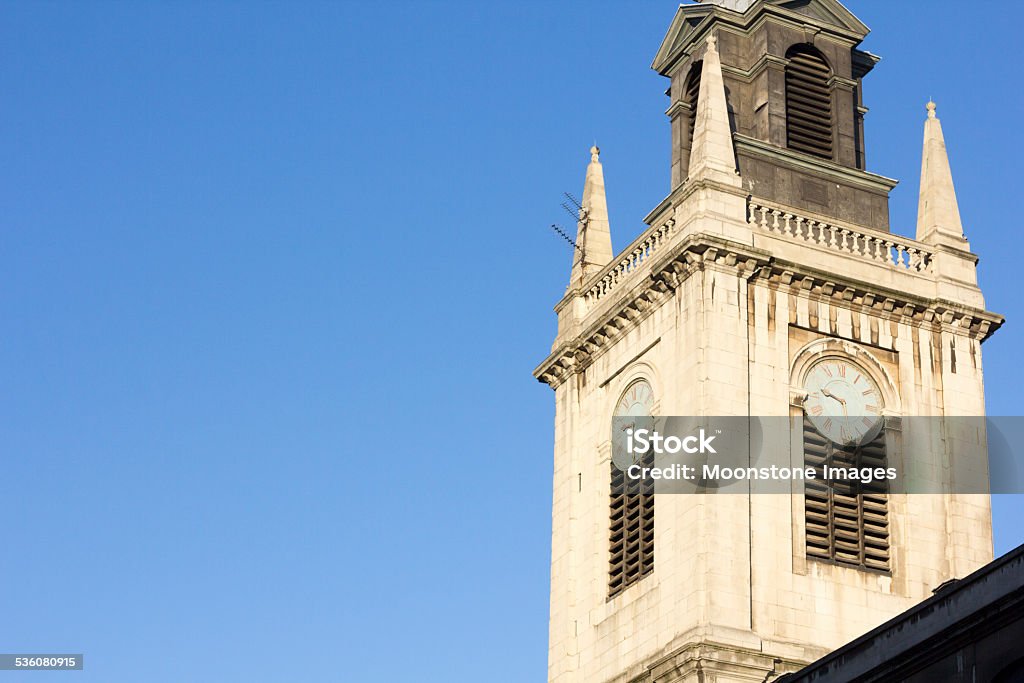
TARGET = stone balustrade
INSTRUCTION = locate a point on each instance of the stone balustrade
(880, 247)
(619, 270)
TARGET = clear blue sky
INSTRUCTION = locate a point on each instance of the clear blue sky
(257, 259)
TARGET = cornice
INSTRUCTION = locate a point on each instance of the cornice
(819, 167)
(634, 303)
(877, 300)
(863, 62)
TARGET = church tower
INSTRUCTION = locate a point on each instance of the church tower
(768, 269)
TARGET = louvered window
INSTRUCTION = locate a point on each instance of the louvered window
(631, 529)
(847, 521)
(808, 102)
(690, 96)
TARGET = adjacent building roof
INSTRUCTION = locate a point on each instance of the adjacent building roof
(971, 629)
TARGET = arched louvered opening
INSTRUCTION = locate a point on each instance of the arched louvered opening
(808, 102)
(631, 529)
(690, 96)
(631, 513)
(847, 522)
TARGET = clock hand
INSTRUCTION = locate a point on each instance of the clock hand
(841, 401)
(828, 393)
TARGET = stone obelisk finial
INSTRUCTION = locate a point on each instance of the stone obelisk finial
(938, 216)
(593, 232)
(711, 154)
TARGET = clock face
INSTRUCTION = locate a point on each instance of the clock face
(843, 403)
(637, 400)
(633, 411)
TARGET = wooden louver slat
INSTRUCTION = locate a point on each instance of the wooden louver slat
(808, 103)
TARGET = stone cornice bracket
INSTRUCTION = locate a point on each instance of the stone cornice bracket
(666, 281)
(750, 268)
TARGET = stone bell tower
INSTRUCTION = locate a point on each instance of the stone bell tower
(769, 265)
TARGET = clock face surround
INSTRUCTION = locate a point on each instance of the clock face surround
(843, 403)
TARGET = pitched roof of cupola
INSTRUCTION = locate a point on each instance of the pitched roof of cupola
(593, 232)
(692, 21)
